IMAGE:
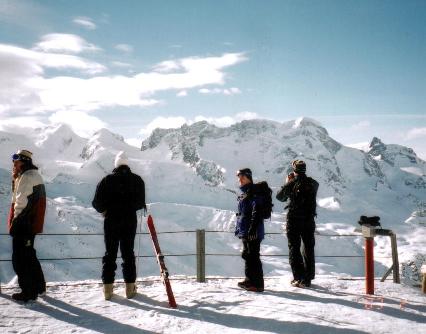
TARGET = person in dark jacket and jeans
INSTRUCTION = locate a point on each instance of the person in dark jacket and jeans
(26, 219)
(118, 196)
(301, 190)
(250, 229)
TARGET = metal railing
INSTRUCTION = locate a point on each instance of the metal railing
(200, 253)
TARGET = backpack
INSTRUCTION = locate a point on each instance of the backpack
(262, 189)
(303, 197)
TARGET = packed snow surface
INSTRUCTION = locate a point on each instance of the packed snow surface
(330, 306)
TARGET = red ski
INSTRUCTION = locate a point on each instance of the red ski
(160, 259)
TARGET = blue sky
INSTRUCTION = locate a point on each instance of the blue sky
(358, 67)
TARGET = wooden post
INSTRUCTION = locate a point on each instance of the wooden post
(201, 256)
(395, 260)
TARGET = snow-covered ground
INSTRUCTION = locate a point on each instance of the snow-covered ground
(218, 306)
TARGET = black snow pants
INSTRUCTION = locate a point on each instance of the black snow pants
(253, 265)
(27, 267)
(302, 264)
(119, 232)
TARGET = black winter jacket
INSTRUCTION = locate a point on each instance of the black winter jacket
(120, 194)
(302, 192)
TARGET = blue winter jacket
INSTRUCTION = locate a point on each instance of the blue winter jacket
(249, 212)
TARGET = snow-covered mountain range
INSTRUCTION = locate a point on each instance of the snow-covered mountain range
(190, 178)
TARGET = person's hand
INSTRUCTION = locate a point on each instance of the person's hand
(289, 177)
(252, 233)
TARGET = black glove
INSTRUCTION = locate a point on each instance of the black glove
(252, 233)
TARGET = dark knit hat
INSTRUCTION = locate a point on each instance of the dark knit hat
(246, 172)
(299, 166)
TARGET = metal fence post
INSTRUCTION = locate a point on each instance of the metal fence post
(201, 256)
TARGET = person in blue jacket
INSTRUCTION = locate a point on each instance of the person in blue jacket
(250, 229)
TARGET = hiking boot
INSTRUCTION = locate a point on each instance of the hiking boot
(304, 283)
(251, 287)
(254, 289)
(108, 288)
(244, 284)
(130, 290)
(22, 297)
(295, 282)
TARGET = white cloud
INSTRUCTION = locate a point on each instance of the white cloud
(167, 66)
(67, 43)
(362, 125)
(20, 124)
(121, 64)
(416, 133)
(25, 87)
(124, 48)
(232, 91)
(226, 121)
(182, 93)
(178, 121)
(163, 123)
(85, 22)
(21, 76)
(82, 124)
(202, 66)
(225, 91)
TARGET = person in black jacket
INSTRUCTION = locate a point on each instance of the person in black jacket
(302, 192)
(118, 196)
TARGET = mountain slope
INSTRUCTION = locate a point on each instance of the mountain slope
(190, 179)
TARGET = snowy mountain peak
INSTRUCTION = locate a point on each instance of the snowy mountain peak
(104, 140)
(105, 135)
(59, 140)
(305, 121)
(377, 143)
(392, 153)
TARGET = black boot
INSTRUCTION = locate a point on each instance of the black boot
(244, 283)
(42, 290)
(23, 297)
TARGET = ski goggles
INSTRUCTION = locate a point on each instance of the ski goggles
(20, 157)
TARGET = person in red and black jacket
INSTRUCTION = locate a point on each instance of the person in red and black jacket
(26, 219)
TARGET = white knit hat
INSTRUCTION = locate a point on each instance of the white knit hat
(121, 159)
